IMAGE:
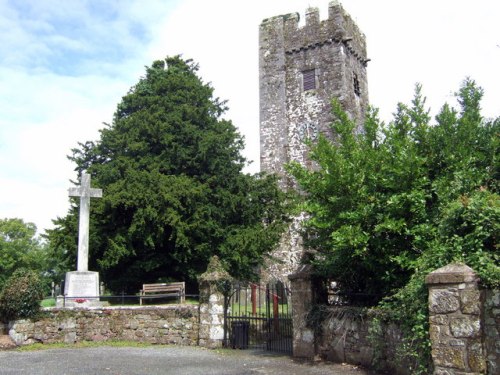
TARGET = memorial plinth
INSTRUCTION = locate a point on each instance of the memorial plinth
(81, 289)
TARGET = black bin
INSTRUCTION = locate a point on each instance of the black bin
(239, 334)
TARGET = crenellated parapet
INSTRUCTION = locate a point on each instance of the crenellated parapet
(337, 28)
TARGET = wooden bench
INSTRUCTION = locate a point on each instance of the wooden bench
(163, 290)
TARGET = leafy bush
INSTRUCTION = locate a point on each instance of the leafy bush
(20, 298)
(470, 229)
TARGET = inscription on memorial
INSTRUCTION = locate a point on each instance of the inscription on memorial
(83, 285)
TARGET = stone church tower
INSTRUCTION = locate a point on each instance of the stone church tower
(301, 70)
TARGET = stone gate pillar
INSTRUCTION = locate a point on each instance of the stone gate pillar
(456, 328)
(212, 304)
(492, 330)
(302, 299)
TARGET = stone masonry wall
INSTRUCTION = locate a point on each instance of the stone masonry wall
(345, 337)
(302, 300)
(492, 330)
(464, 327)
(456, 327)
(175, 324)
(212, 304)
(289, 253)
(342, 334)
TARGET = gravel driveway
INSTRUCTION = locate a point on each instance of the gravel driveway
(160, 360)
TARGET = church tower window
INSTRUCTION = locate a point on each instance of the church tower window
(309, 79)
(357, 89)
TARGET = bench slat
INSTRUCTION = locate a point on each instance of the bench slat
(162, 290)
(158, 290)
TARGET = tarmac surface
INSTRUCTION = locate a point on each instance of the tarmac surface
(161, 360)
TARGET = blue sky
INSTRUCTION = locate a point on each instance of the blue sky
(64, 66)
(67, 37)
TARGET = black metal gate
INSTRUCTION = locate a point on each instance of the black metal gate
(258, 317)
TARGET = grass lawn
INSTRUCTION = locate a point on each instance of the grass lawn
(51, 302)
(246, 309)
(86, 344)
(48, 302)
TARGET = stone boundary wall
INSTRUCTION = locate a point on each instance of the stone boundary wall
(492, 330)
(179, 324)
(173, 324)
(343, 332)
(464, 327)
(345, 337)
(464, 322)
(455, 327)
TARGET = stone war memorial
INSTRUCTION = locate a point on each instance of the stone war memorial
(81, 287)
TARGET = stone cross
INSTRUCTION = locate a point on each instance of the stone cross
(85, 193)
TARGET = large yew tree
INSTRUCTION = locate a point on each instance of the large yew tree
(174, 191)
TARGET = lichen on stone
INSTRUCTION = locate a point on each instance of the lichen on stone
(215, 271)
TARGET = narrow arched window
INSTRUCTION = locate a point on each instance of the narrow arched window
(357, 89)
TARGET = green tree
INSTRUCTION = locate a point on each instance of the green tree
(20, 247)
(393, 203)
(174, 192)
(379, 198)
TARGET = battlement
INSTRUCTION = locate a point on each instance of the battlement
(337, 28)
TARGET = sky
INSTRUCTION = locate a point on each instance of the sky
(65, 65)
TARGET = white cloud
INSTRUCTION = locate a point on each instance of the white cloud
(52, 116)
(43, 113)
(436, 43)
